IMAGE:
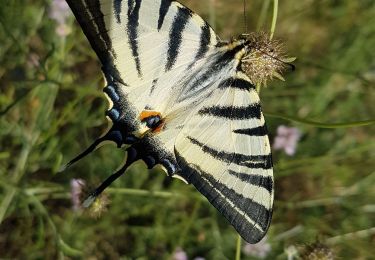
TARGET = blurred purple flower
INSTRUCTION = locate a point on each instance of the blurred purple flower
(179, 254)
(287, 139)
(59, 11)
(260, 250)
(76, 186)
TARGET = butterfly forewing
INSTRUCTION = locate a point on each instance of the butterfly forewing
(158, 55)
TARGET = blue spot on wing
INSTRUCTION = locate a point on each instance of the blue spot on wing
(113, 114)
(111, 92)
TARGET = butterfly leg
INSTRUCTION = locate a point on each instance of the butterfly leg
(131, 157)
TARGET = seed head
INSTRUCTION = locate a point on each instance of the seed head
(264, 59)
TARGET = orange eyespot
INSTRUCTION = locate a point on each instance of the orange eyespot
(153, 120)
(148, 113)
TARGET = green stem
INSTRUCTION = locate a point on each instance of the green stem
(355, 189)
(319, 124)
(156, 194)
(44, 190)
(238, 247)
(31, 135)
(62, 246)
(274, 17)
(212, 13)
(353, 235)
(16, 176)
(140, 192)
(289, 233)
(258, 87)
(189, 224)
(263, 14)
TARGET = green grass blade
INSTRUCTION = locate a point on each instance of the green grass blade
(319, 124)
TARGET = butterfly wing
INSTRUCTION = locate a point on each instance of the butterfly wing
(141, 43)
(223, 150)
(158, 55)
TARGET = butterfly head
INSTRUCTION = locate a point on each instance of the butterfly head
(264, 58)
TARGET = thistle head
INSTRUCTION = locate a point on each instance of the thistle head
(99, 206)
(317, 251)
(264, 59)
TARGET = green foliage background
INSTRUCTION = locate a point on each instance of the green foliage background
(52, 110)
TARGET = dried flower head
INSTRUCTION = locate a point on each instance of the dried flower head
(317, 251)
(94, 205)
(264, 59)
(99, 206)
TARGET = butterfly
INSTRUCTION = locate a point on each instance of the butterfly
(181, 98)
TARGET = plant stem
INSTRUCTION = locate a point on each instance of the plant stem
(212, 13)
(358, 234)
(263, 13)
(238, 247)
(17, 174)
(274, 17)
(319, 124)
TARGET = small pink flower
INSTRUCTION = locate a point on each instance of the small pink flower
(179, 254)
(63, 30)
(260, 250)
(287, 139)
(59, 11)
(76, 186)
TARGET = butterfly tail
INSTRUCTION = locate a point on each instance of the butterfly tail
(112, 135)
(90, 149)
(132, 156)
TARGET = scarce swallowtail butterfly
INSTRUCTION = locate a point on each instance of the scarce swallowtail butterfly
(180, 97)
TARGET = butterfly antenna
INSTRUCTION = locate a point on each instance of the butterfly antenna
(131, 157)
(244, 15)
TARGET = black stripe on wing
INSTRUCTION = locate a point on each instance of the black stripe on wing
(91, 20)
(204, 80)
(175, 35)
(257, 180)
(236, 83)
(204, 41)
(221, 197)
(254, 131)
(233, 112)
(94, 9)
(251, 161)
(132, 29)
(164, 7)
(117, 10)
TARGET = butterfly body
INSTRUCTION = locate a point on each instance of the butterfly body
(179, 97)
